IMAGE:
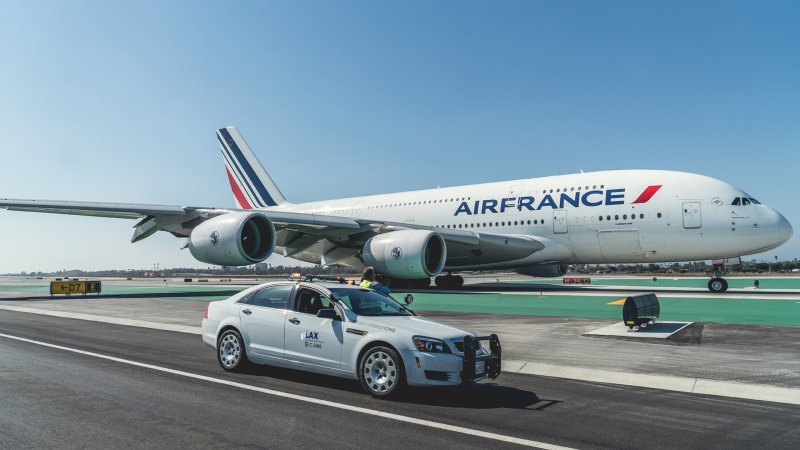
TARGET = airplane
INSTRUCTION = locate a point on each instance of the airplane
(536, 226)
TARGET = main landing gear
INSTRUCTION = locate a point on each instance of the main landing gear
(717, 284)
(449, 281)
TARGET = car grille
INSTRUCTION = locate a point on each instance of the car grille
(459, 345)
(437, 375)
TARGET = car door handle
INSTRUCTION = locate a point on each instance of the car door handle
(247, 311)
(295, 321)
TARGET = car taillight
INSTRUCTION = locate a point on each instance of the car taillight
(205, 312)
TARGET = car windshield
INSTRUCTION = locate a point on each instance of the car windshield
(365, 302)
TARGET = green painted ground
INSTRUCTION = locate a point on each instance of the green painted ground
(767, 312)
(131, 289)
(700, 282)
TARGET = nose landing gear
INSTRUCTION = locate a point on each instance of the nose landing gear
(717, 284)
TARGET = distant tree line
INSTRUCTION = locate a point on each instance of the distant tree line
(258, 270)
(698, 268)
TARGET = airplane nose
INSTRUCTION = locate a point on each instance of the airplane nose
(784, 230)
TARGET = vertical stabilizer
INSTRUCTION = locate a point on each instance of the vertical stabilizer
(251, 185)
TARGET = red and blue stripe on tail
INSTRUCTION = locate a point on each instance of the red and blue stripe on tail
(251, 185)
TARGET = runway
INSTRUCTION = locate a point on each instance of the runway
(132, 371)
(53, 397)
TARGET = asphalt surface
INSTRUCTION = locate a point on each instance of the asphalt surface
(55, 398)
(752, 354)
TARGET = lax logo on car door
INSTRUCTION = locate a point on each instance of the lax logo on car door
(311, 339)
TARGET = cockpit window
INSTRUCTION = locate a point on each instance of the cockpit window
(747, 199)
(737, 201)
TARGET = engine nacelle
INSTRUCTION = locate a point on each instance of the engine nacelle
(406, 253)
(233, 239)
(544, 270)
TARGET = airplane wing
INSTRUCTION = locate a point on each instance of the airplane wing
(331, 239)
(178, 220)
(95, 209)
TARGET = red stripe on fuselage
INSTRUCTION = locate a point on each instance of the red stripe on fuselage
(237, 192)
(648, 193)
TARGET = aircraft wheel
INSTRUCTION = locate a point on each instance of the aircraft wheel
(443, 281)
(717, 285)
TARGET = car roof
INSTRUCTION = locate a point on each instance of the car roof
(327, 285)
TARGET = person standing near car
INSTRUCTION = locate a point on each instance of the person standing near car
(368, 281)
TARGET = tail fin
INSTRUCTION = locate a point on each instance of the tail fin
(251, 185)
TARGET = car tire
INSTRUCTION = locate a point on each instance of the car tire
(381, 372)
(231, 353)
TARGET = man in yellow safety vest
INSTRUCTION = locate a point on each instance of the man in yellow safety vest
(368, 281)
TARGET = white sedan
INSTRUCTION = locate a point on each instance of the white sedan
(345, 331)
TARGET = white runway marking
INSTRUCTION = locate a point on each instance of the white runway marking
(342, 406)
(687, 385)
(698, 385)
(105, 319)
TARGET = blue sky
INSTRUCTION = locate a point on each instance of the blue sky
(114, 101)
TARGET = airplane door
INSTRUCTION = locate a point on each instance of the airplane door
(691, 215)
(559, 221)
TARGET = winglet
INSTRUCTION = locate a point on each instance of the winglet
(251, 185)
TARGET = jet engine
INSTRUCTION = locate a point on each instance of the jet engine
(544, 270)
(406, 253)
(233, 239)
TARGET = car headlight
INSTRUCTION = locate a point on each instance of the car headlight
(430, 345)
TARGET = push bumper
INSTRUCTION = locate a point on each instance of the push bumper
(448, 369)
(477, 367)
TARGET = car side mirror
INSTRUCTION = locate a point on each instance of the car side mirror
(327, 313)
(409, 299)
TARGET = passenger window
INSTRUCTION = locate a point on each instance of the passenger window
(736, 201)
(273, 297)
(310, 302)
(745, 201)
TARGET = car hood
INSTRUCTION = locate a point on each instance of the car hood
(412, 325)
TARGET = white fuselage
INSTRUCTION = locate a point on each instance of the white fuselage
(625, 216)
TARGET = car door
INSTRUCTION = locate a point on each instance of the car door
(263, 318)
(312, 341)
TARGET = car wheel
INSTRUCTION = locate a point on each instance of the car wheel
(231, 353)
(381, 372)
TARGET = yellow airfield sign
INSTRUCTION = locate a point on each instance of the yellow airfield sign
(75, 287)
